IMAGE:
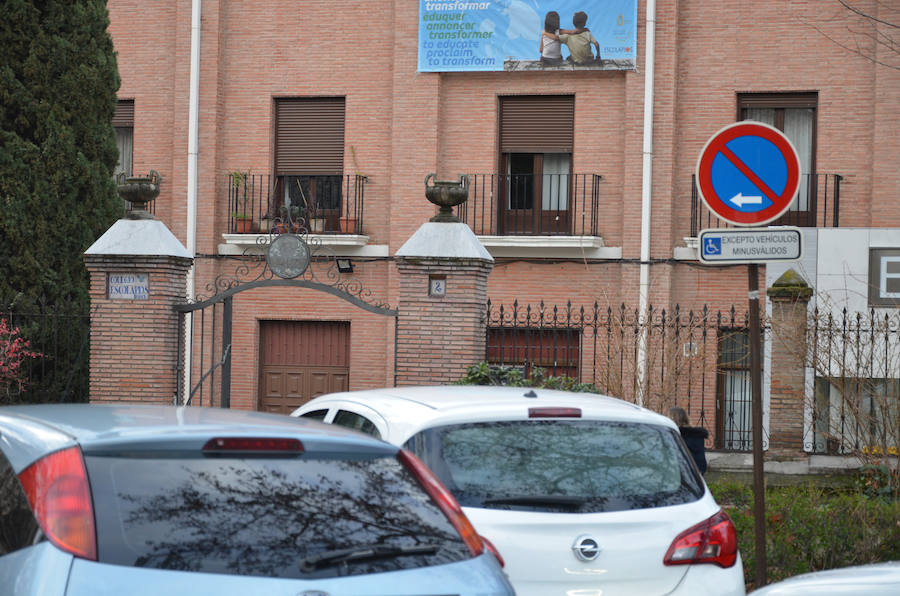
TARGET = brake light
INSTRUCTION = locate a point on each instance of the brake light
(554, 412)
(253, 444)
(493, 550)
(444, 499)
(711, 541)
(58, 491)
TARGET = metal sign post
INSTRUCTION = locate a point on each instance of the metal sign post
(748, 174)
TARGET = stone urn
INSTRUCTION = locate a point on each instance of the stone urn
(447, 194)
(138, 190)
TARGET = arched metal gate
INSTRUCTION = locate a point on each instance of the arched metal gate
(287, 259)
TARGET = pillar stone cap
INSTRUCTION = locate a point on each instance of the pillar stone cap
(138, 237)
(790, 285)
(437, 240)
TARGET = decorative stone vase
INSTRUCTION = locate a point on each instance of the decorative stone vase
(138, 190)
(447, 194)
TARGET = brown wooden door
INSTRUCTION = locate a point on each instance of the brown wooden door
(300, 360)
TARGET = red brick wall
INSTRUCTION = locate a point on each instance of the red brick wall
(438, 338)
(134, 343)
(787, 393)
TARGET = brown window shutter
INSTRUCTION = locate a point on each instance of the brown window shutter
(309, 136)
(537, 124)
(124, 116)
(807, 99)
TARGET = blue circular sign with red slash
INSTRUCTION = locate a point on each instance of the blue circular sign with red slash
(748, 173)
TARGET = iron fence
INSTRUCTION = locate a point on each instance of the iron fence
(532, 204)
(817, 205)
(319, 204)
(854, 359)
(668, 358)
(59, 336)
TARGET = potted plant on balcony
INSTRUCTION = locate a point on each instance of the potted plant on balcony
(290, 220)
(243, 215)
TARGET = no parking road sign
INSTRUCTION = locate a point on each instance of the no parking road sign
(748, 173)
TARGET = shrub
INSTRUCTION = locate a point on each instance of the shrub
(810, 528)
(512, 376)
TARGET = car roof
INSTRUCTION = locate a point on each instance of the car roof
(408, 409)
(29, 432)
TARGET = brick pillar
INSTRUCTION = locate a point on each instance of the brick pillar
(443, 293)
(138, 272)
(789, 296)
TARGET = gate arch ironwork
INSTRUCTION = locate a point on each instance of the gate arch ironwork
(281, 258)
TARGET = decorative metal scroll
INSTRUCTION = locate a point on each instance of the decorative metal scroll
(288, 256)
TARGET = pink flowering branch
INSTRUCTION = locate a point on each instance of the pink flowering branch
(14, 350)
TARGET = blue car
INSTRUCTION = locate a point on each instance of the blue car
(121, 499)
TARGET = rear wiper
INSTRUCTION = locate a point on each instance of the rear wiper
(359, 553)
(557, 500)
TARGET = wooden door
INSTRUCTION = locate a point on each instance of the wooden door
(300, 360)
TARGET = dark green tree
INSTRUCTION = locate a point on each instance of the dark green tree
(58, 83)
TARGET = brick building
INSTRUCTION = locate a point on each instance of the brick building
(572, 190)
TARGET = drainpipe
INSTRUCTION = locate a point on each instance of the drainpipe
(192, 188)
(646, 193)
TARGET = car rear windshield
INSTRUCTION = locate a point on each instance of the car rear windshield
(576, 466)
(273, 517)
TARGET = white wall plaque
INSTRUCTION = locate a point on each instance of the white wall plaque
(128, 286)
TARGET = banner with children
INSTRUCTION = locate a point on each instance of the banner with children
(467, 35)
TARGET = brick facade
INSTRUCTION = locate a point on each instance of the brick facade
(789, 296)
(439, 337)
(401, 124)
(134, 343)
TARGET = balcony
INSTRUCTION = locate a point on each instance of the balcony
(817, 206)
(532, 204)
(318, 204)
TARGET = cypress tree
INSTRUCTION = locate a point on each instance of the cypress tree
(58, 83)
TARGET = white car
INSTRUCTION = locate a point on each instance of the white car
(879, 579)
(583, 495)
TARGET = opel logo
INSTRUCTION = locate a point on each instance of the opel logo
(586, 548)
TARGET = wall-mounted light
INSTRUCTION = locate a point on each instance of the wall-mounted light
(345, 265)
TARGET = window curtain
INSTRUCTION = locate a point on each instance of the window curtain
(124, 142)
(798, 126)
(555, 191)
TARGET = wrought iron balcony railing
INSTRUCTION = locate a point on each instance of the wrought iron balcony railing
(817, 205)
(318, 204)
(532, 204)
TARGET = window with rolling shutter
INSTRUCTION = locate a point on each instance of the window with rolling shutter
(794, 114)
(309, 136)
(537, 135)
(537, 124)
(309, 158)
(123, 122)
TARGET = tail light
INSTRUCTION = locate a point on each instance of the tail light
(446, 501)
(57, 489)
(711, 541)
(551, 412)
(493, 550)
(252, 445)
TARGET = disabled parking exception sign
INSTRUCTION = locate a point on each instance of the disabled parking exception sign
(748, 173)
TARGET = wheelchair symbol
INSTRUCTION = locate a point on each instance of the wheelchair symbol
(712, 246)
